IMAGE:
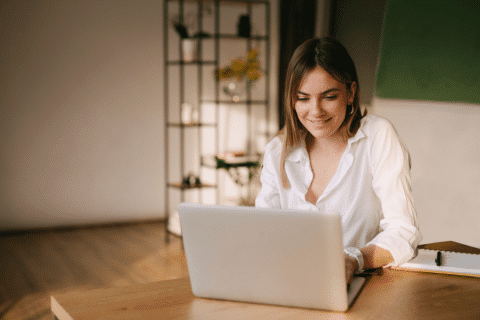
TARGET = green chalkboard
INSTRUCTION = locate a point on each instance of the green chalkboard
(430, 50)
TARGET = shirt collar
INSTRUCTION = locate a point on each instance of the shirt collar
(359, 135)
(300, 152)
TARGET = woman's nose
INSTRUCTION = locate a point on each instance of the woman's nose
(317, 106)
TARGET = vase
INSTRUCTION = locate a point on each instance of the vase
(190, 50)
(243, 26)
(236, 89)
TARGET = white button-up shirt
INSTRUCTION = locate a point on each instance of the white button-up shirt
(371, 189)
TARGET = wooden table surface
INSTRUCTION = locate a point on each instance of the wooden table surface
(388, 294)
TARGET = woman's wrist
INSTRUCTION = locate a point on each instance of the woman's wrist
(375, 257)
(357, 255)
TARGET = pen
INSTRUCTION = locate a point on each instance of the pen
(438, 261)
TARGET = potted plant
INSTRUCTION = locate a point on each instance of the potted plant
(189, 42)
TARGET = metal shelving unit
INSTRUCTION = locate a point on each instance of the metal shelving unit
(177, 134)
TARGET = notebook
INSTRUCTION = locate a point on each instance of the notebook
(282, 257)
(465, 264)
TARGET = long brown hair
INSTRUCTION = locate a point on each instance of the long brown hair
(330, 55)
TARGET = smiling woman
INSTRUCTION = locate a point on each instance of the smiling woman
(321, 66)
(331, 157)
(321, 106)
(322, 103)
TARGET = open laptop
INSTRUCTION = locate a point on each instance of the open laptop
(270, 256)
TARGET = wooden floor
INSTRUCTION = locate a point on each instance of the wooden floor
(35, 265)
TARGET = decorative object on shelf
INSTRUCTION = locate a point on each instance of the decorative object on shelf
(186, 23)
(235, 89)
(189, 114)
(191, 181)
(189, 43)
(231, 167)
(239, 74)
(244, 27)
(186, 113)
(241, 68)
(233, 162)
(190, 50)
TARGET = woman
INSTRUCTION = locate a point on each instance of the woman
(330, 157)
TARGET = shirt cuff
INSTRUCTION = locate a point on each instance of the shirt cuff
(357, 255)
(400, 249)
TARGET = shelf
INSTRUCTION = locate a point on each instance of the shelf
(191, 125)
(250, 161)
(195, 82)
(231, 36)
(259, 102)
(189, 187)
(237, 2)
(193, 63)
(236, 37)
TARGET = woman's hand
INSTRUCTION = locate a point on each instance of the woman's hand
(351, 266)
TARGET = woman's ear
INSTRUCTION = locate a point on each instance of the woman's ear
(353, 90)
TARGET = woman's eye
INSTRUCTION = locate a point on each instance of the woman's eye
(302, 98)
(331, 97)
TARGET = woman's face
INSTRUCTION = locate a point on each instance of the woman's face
(321, 103)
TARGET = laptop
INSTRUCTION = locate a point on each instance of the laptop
(270, 256)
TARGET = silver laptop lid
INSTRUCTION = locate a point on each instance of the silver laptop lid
(272, 256)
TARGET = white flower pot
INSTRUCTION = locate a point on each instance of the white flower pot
(190, 50)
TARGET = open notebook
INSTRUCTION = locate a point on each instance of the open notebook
(466, 264)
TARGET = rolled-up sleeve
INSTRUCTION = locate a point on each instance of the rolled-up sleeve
(391, 181)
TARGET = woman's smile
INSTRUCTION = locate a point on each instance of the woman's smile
(320, 121)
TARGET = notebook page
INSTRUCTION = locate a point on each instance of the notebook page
(452, 262)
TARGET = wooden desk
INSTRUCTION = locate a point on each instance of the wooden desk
(388, 294)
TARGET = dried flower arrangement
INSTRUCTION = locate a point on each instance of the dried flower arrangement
(241, 68)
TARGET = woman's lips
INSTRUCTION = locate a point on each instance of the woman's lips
(320, 121)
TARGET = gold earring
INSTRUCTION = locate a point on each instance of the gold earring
(352, 110)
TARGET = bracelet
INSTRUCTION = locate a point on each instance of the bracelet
(357, 254)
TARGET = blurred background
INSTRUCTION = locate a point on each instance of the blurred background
(82, 110)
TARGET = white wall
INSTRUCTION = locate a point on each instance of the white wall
(443, 140)
(81, 116)
(81, 111)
